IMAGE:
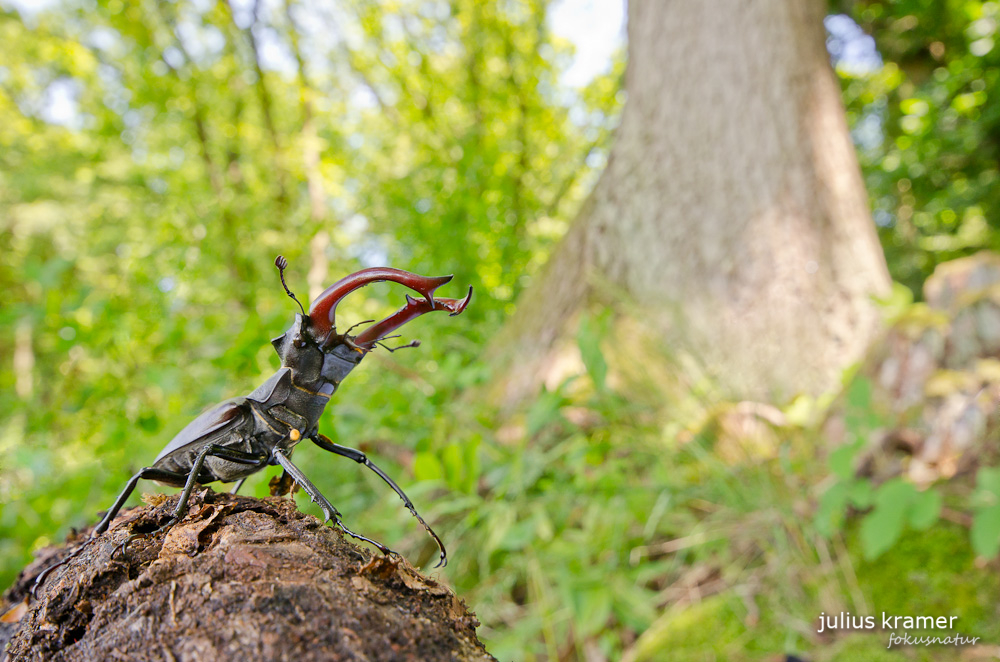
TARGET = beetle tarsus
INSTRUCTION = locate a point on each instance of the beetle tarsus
(43, 575)
(412, 343)
(329, 511)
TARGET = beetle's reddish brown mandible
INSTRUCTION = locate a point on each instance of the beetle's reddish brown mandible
(322, 313)
(414, 308)
(323, 310)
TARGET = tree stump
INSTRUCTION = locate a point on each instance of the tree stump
(238, 579)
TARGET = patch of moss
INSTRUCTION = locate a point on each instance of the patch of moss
(928, 573)
(933, 573)
(713, 629)
(872, 647)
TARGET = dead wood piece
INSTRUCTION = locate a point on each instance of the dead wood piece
(239, 578)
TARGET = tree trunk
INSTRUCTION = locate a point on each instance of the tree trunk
(732, 212)
(238, 579)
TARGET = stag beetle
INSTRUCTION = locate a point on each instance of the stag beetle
(243, 435)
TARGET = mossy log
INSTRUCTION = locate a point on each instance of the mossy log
(238, 579)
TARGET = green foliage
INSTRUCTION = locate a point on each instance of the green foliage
(860, 420)
(564, 508)
(588, 338)
(139, 228)
(926, 123)
(986, 521)
(893, 505)
(896, 504)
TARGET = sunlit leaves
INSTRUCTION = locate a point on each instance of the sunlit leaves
(897, 504)
(933, 155)
(145, 195)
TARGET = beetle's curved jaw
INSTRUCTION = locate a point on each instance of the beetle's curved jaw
(413, 309)
(322, 312)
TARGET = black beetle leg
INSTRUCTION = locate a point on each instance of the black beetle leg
(150, 473)
(40, 579)
(191, 480)
(317, 497)
(324, 442)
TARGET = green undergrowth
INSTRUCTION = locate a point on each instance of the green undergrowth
(624, 539)
(931, 573)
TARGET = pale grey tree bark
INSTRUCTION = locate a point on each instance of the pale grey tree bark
(732, 212)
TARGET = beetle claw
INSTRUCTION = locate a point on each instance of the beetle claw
(414, 308)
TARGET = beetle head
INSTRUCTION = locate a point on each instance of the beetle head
(300, 351)
(317, 330)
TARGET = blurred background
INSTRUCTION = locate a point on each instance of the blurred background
(156, 156)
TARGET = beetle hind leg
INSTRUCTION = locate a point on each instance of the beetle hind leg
(148, 473)
(213, 450)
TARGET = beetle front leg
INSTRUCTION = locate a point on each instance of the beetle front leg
(326, 444)
(317, 497)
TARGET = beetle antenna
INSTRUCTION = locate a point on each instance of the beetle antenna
(282, 264)
(412, 343)
(357, 325)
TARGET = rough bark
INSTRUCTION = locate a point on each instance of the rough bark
(238, 579)
(732, 213)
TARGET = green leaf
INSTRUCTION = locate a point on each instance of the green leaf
(842, 461)
(470, 458)
(518, 536)
(594, 609)
(925, 509)
(859, 394)
(860, 417)
(588, 338)
(862, 493)
(988, 480)
(830, 512)
(882, 527)
(900, 298)
(880, 530)
(426, 466)
(895, 494)
(545, 410)
(452, 462)
(498, 524)
(985, 533)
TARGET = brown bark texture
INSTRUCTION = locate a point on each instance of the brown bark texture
(731, 219)
(237, 579)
